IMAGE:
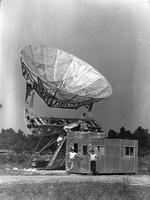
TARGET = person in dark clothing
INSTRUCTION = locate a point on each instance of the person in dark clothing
(93, 159)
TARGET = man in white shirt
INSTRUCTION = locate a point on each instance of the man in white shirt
(71, 156)
(93, 159)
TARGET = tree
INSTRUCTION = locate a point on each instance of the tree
(124, 134)
(143, 138)
(112, 134)
(18, 142)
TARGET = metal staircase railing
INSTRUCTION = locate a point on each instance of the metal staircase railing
(58, 156)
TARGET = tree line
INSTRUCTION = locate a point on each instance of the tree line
(140, 134)
(19, 142)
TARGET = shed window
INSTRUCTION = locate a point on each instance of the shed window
(84, 150)
(99, 150)
(76, 147)
(129, 151)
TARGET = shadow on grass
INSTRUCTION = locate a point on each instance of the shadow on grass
(95, 191)
(75, 191)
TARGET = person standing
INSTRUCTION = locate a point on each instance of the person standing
(93, 159)
(71, 156)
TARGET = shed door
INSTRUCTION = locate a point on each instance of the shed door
(85, 163)
(77, 160)
(100, 152)
(128, 159)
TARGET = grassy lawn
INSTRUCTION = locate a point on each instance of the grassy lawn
(75, 191)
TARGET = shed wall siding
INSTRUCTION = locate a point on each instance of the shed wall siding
(111, 153)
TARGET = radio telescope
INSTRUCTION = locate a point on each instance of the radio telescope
(63, 81)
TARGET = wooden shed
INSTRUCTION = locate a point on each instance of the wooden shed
(114, 155)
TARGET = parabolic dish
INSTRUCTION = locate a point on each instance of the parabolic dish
(61, 79)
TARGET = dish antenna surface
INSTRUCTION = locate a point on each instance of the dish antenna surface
(61, 79)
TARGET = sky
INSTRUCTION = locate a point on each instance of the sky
(113, 36)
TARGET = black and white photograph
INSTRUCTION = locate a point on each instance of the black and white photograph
(75, 99)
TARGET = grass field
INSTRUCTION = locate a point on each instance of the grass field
(75, 191)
